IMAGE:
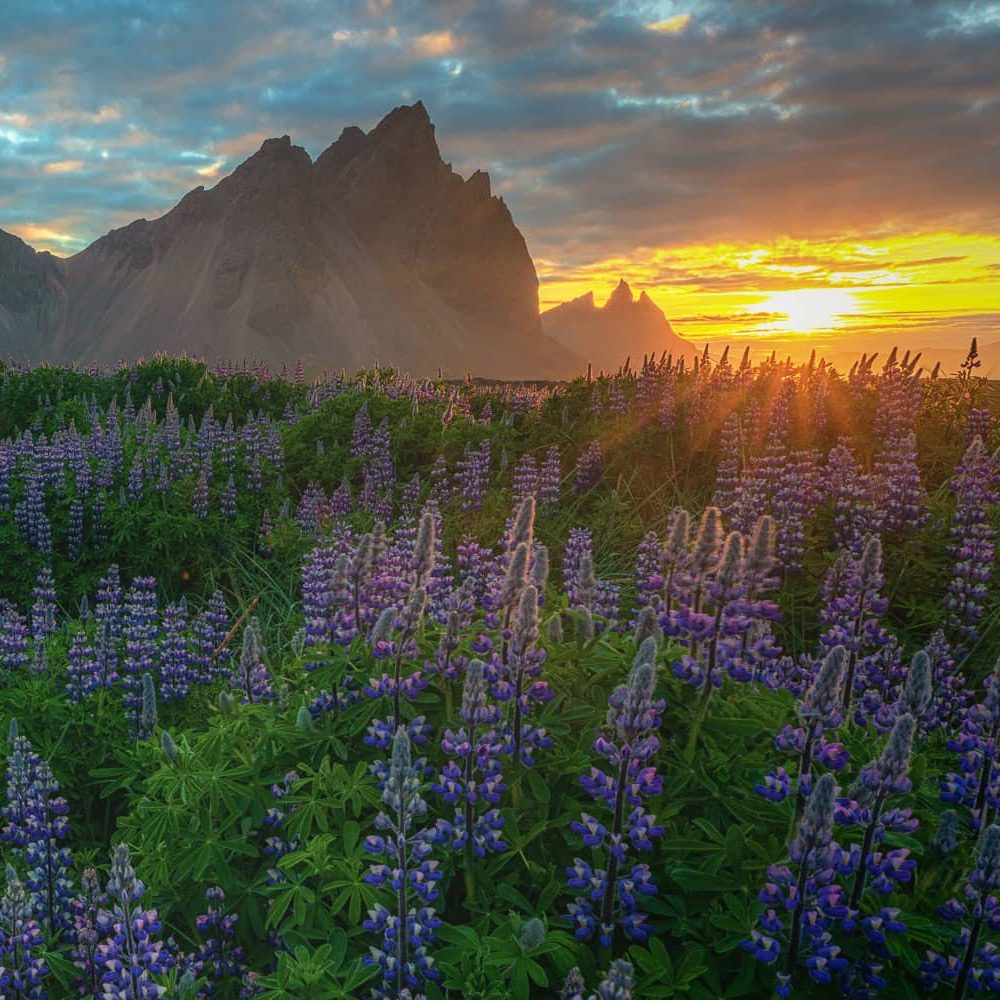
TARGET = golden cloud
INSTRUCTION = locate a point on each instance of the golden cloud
(62, 166)
(671, 25)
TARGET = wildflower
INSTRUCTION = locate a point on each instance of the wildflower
(629, 745)
(407, 928)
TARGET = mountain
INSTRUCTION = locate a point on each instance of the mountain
(377, 251)
(623, 327)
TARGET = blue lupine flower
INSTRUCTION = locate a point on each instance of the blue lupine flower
(408, 927)
(608, 897)
(976, 964)
(802, 902)
(471, 781)
(21, 971)
(130, 955)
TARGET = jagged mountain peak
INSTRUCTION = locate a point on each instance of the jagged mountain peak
(377, 251)
(623, 327)
(621, 296)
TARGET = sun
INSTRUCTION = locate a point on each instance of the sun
(808, 310)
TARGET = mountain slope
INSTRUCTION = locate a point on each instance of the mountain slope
(378, 251)
(623, 327)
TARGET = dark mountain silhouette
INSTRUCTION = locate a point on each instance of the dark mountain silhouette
(623, 327)
(378, 251)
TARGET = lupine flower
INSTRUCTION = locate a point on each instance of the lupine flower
(176, 673)
(36, 827)
(949, 693)
(974, 964)
(471, 780)
(130, 956)
(802, 901)
(394, 638)
(87, 933)
(218, 957)
(884, 870)
(609, 896)
(408, 927)
(251, 674)
(975, 485)
(277, 844)
(21, 971)
(616, 985)
(977, 787)
(515, 677)
(550, 477)
(140, 633)
(853, 606)
(588, 468)
(819, 713)
(43, 610)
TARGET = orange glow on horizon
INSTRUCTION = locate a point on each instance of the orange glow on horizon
(812, 291)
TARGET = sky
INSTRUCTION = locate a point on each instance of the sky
(821, 172)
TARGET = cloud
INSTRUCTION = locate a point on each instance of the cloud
(671, 25)
(62, 166)
(606, 127)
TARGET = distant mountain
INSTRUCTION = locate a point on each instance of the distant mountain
(623, 327)
(378, 251)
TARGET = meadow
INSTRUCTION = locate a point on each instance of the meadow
(677, 682)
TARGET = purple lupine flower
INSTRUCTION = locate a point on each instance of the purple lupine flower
(875, 865)
(199, 499)
(977, 424)
(471, 781)
(851, 612)
(588, 468)
(87, 932)
(819, 714)
(277, 845)
(583, 589)
(608, 902)
(48, 861)
(312, 507)
(802, 901)
(524, 480)
(550, 477)
(140, 633)
(251, 675)
(36, 826)
(408, 927)
(949, 693)
(21, 971)
(977, 787)
(900, 491)
(616, 985)
(13, 637)
(74, 535)
(43, 610)
(361, 435)
(851, 493)
(974, 965)
(218, 957)
(175, 662)
(211, 626)
(727, 475)
(130, 955)
(975, 485)
(227, 499)
(515, 675)
(83, 673)
(393, 638)
(472, 475)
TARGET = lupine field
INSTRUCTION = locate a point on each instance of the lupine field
(677, 683)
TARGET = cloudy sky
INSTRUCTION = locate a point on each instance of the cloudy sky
(763, 169)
